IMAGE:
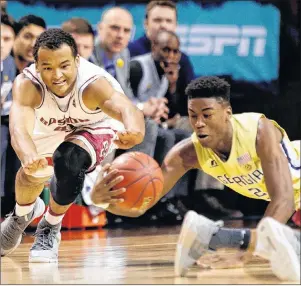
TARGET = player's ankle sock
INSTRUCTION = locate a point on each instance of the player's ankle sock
(22, 210)
(53, 218)
(232, 238)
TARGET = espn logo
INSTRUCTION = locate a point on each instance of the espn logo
(213, 40)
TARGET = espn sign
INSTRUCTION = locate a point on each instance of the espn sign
(213, 40)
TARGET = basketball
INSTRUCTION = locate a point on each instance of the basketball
(143, 180)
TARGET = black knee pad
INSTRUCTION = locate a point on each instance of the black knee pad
(70, 163)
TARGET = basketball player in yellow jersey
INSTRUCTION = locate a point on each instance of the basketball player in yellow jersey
(250, 154)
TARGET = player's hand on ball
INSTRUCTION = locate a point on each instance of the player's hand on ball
(127, 139)
(102, 192)
(33, 163)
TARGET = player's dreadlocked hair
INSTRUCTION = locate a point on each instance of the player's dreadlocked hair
(208, 86)
(53, 39)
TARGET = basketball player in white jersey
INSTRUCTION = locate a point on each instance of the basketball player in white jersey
(68, 113)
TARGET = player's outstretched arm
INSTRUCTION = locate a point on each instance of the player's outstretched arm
(178, 161)
(119, 107)
(276, 171)
(26, 97)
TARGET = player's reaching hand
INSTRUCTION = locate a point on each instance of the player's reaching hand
(127, 139)
(118, 106)
(102, 192)
(32, 163)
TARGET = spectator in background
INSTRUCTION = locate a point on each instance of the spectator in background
(8, 74)
(29, 28)
(83, 34)
(162, 15)
(156, 74)
(110, 52)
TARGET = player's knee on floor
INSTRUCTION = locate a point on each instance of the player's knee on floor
(70, 163)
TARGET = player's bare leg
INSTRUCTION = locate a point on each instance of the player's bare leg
(28, 207)
(71, 161)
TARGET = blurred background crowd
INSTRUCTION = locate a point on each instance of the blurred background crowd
(154, 49)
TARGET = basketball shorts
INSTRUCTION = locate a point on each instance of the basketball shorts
(97, 137)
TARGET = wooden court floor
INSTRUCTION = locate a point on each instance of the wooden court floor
(135, 256)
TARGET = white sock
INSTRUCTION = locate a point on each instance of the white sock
(53, 219)
(24, 210)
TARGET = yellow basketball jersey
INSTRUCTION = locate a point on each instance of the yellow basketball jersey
(242, 172)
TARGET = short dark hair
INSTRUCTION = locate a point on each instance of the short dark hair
(208, 86)
(161, 3)
(31, 20)
(53, 39)
(9, 21)
(77, 25)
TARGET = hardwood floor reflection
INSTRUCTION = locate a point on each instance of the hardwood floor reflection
(135, 256)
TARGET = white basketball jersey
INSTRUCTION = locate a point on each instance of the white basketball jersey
(51, 117)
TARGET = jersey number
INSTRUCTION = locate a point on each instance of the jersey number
(257, 192)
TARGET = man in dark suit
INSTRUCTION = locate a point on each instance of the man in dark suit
(162, 15)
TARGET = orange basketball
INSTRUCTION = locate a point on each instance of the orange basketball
(143, 180)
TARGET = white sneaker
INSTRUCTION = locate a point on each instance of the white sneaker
(283, 246)
(194, 239)
(46, 245)
(13, 227)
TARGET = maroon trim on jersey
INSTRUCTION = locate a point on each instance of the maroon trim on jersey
(93, 78)
(43, 89)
